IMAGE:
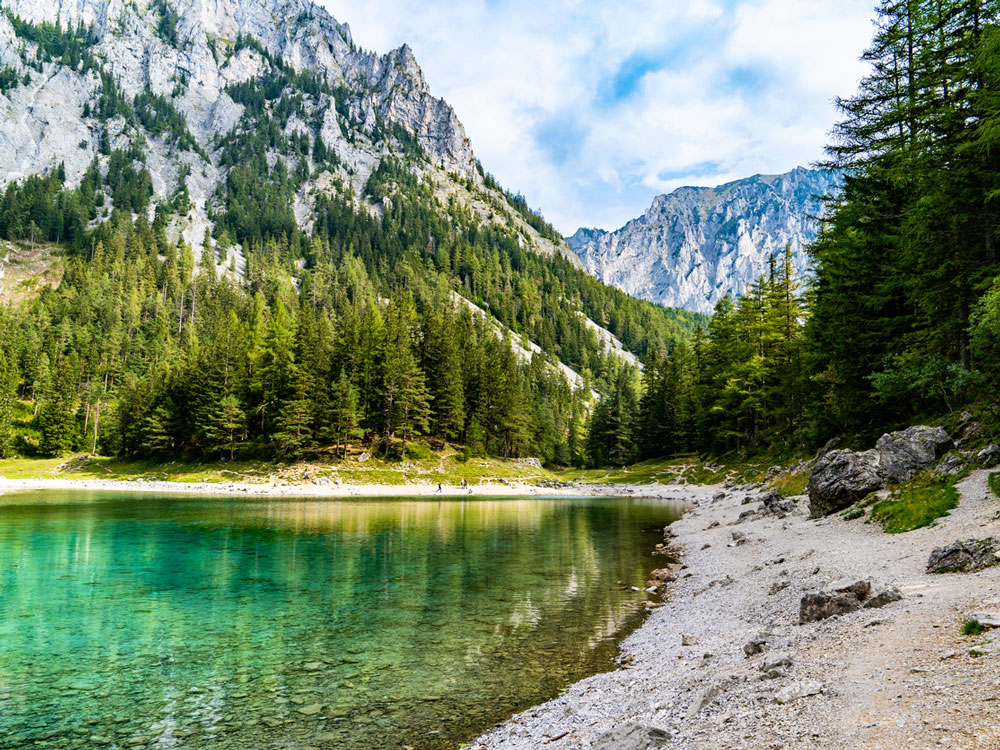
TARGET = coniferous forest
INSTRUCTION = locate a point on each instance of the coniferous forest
(901, 319)
(353, 332)
(400, 319)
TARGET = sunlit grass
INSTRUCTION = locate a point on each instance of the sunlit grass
(444, 466)
(917, 503)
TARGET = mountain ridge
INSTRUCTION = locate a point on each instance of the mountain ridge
(694, 245)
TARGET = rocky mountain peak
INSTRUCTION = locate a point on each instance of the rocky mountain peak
(695, 245)
(195, 55)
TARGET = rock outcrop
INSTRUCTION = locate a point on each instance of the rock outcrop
(695, 245)
(844, 597)
(904, 454)
(989, 457)
(964, 557)
(825, 604)
(631, 737)
(841, 478)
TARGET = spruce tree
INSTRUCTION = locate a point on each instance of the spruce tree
(9, 380)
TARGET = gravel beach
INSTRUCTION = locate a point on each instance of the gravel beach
(726, 664)
(329, 489)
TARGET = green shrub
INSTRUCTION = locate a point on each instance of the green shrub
(994, 482)
(917, 503)
(972, 628)
(418, 450)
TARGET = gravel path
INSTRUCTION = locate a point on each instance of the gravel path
(897, 677)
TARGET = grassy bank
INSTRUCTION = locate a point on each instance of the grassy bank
(447, 466)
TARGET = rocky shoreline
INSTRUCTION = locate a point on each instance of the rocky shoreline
(734, 660)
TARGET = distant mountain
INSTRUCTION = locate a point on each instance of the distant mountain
(695, 245)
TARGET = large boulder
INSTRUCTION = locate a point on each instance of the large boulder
(841, 478)
(905, 454)
(964, 557)
(824, 604)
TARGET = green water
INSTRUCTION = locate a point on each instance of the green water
(135, 621)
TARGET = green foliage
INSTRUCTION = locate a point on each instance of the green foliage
(160, 117)
(994, 482)
(57, 422)
(910, 246)
(739, 386)
(418, 450)
(612, 432)
(972, 628)
(166, 28)
(9, 381)
(917, 503)
(9, 79)
(793, 484)
(520, 204)
(55, 44)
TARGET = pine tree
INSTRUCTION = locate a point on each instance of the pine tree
(9, 380)
(223, 427)
(444, 376)
(57, 423)
(293, 431)
(158, 429)
(344, 413)
(406, 400)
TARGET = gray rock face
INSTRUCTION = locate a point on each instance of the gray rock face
(695, 245)
(631, 737)
(860, 589)
(822, 605)
(906, 453)
(951, 464)
(49, 118)
(842, 478)
(964, 557)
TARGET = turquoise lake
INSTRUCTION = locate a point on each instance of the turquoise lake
(130, 621)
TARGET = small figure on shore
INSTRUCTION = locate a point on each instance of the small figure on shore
(439, 488)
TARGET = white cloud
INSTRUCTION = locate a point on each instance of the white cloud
(719, 89)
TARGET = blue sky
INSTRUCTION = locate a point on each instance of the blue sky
(592, 108)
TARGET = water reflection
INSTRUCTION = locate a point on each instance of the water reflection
(216, 623)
